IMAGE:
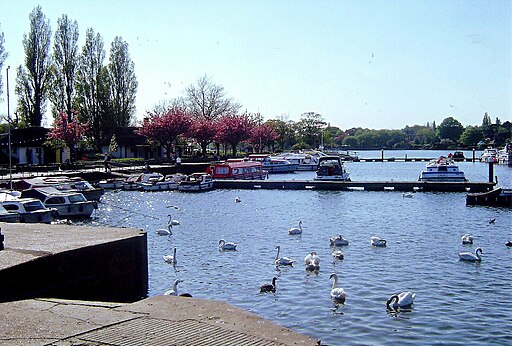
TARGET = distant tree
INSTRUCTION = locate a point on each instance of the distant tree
(310, 128)
(92, 89)
(486, 121)
(65, 133)
(285, 132)
(234, 129)
(166, 127)
(3, 56)
(208, 100)
(123, 83)
(451, 129)
(471, 136)
(32, 84)
(65, 61)
(351, 142)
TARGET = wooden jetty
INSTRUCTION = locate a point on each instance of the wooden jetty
(497, 198)
(403, 186)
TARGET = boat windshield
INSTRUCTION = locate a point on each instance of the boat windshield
(75, 198)
(34, 205)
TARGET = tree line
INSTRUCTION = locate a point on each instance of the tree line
(89, 98)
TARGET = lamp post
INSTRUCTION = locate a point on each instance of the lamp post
(9, 129)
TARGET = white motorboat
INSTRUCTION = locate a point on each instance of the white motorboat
(505, 155)
(489, 155)
(307, 161)
(30, 210)
(65, 184)
(196, 182)
(157, 182)
(331, 168)
(442, 169)
(68, 204)
(111, 184)
(273, 164)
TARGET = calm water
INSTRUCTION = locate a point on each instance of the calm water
(456, 303)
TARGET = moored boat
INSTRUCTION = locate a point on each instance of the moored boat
(196, 182)
(489, 155)
(499, 197)
(274, 164)
(238, 170)
(307, 161)
(8, 216)
(442, 170)
(331, 168)
(30, 210)
(68, 204)
(157, 182)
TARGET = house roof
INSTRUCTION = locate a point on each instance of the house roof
(25, 137)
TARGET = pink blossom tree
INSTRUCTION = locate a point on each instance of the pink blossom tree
(204, 132)
(66, 132)
(233, 129)
(166, 126)
(263, 136)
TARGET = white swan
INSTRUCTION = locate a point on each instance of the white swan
(269, 287)
(171, 221)
(227, 246)
(407, 194)
(171, 258)
(312, 261)
(338, 254)
(163, 231)
(470, 257)
(467, 239)
(337, 293)
(282, 260)
(401, 300)
(377, 241)
(174, 290)
(338, 241)
(295, 230)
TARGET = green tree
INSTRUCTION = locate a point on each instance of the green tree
(351, 142)
(123, 83)
(310, 128)
(451, 129)
(471, 136)
(285, 132)
(65, 57)
(32, 84)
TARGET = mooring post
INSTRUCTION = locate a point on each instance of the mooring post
(1, 240)
(491, 171)
(382, 154)
(473, 154)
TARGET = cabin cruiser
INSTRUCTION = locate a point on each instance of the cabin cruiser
(505, 155)
(489, 155)
(30, 210)
(307, 161)
(8, 216)
(65, 184)
(274, 164)
(196, 182)
(237, 170)
(68, 204)
(157, 182)
(442, 169)
(331, 168)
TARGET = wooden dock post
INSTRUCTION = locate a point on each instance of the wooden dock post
(491, 171)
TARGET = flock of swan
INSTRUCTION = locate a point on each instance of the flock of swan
(402, 300)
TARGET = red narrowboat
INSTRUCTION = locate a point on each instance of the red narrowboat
(246, 170)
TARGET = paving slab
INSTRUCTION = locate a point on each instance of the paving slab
(159, 320)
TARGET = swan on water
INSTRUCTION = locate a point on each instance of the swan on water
(337, 293)
(467, 239)
(338, 254)
(171, 221)
(470, 257)
(174, 290)
(282, 260)
(493, 220)
(338, 241)
(401, 300)
(227, 246)
(295, 230)
(269, 287)
(407, 194)
(163, 231)
(312, 261)
(171, 258)
(378, 241)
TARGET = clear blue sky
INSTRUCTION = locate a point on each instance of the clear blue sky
(375, 64)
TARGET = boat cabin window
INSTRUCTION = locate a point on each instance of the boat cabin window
(56, 200)
(11, 207)
(222, 170)
(77, 198)
(442, 169)
(33, 206)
